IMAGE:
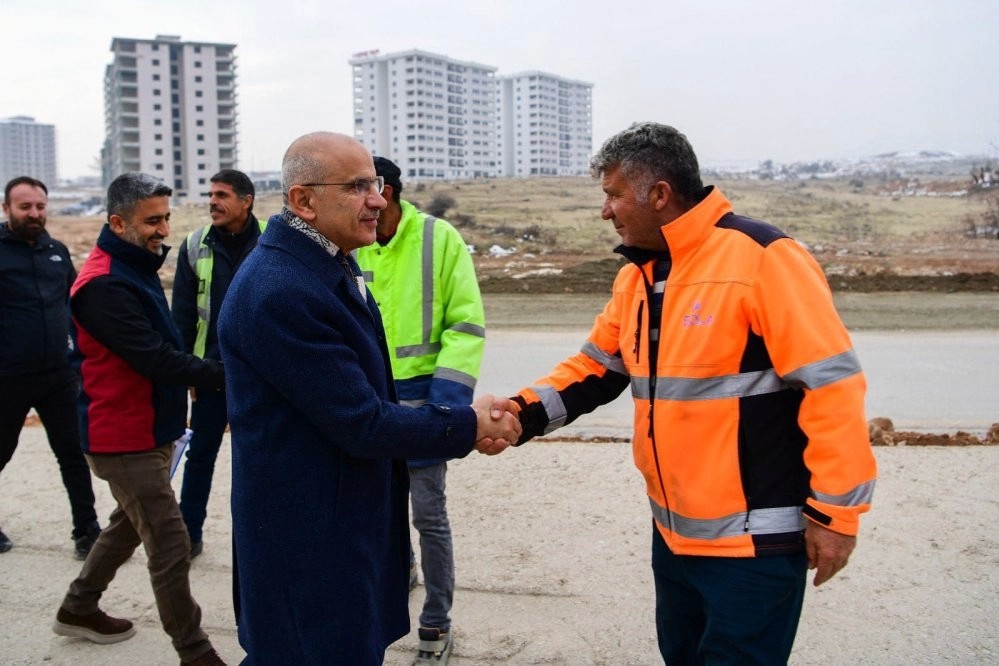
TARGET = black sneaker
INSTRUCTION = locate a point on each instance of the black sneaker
(435, 647)
(414, 579)
(86, 542)
(5, 543)
(196, 548)
(97, 627)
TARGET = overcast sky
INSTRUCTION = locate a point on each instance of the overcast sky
(746, 81)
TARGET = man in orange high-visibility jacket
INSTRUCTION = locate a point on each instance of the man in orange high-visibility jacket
(749, 404)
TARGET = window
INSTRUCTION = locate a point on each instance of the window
(158, 137)
(156, 92)
(197, 64)
(157, 107)
(201, 151)
(201, 137)
(197, 79)
(197, 93)
(158, 121)
(158, 167)
(199, 123)
(176, 155)
(159, 151)
(156, 77)
(201, 167)
(156, 62)
(199, 108)
(197, 49)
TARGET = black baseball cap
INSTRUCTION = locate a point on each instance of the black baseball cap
(388, 170)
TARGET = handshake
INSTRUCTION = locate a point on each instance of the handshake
(498, 424)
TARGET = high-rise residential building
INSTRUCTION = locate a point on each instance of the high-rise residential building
(544, 125)
(27, 148)
(432, 115)
(170, 111)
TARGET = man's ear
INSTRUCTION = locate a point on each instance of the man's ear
(301, 201)
(117, 224)
(661, 194)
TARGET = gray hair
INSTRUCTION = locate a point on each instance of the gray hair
(130, 188)
(649, 152)
(300, 167)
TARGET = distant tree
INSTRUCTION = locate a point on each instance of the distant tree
(440, 204)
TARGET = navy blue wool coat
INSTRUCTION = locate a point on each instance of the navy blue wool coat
(319, 482)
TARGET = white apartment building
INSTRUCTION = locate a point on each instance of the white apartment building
(545, 125)
(27, 148)
(432, 115)
(170, 111)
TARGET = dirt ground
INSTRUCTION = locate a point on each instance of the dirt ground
(552, 560)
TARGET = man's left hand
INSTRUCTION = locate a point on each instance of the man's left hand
(828, 551)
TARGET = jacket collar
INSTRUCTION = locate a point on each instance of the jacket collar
(687, 232)
(134, 255)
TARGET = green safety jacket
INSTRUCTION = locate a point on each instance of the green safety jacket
(424, 282)
(200, 258)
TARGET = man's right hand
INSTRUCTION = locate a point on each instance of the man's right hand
(497, 427)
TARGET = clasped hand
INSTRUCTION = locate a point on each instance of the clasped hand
(497, 425)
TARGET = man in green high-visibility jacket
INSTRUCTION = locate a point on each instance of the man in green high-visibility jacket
(421, 275)
(207, 262)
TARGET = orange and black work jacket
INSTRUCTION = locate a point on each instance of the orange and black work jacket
(752, 418)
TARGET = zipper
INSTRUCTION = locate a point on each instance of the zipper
(638, 330)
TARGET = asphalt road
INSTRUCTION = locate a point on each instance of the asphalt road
(924, 381)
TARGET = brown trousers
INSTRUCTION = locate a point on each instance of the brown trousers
(147, 513)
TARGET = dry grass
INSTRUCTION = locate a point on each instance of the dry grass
(558, 220)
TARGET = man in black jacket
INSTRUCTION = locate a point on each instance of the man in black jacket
(208, 260)
(35, 276)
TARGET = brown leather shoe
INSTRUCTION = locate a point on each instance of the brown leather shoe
(210, 658)
(97, 627)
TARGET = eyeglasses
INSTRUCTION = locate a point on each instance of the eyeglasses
(362, 185)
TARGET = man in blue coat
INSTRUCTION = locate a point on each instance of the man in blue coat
(319, 480)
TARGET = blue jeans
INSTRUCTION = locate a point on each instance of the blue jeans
(426, 490)
(726, 610)
(208, 422)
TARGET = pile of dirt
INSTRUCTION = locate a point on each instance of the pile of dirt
(882, 432)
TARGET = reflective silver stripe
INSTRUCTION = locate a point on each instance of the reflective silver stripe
(710, 388)
(418, 350)
(413, 403)
(428, 277)
(727, 386)
(639, 388)
(195, 250)
(829, 370)
(462, 378)
(471, 329)
(554, 407)
(435, 347)
(777, 520)
(612, 363)
(368, 276)
(862, 494)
